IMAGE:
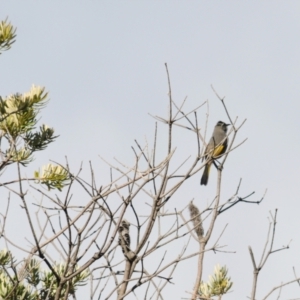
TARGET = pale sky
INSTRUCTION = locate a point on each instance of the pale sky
(103, 64)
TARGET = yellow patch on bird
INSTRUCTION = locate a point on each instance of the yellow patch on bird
(218, 151)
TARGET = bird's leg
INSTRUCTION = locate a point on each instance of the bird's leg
(217, 164)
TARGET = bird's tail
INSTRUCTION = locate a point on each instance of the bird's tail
(204, 178)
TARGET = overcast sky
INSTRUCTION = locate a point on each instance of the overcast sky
(103, 64)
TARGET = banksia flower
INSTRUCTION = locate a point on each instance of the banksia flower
(217, 285)
(196, 219)
(7, 35)
(53, 176)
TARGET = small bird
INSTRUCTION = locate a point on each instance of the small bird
(217, 146)
(124, 237)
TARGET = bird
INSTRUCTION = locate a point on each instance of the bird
(124, 238)
(215, 148)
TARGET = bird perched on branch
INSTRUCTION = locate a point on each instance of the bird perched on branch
(124, 239)
(215, 148)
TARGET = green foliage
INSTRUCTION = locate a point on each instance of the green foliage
(50, 286)
(18, 118)
(7, 35)
(39, 140)
(36, 284)
(33, 272)
(217, 285)
(19, 155)
(19, 112)
(19, 139)
(5, 258)
(10, 287)
(53, 176)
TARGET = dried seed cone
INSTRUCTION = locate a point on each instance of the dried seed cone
(196, 219)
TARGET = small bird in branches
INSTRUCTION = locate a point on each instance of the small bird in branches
(215, 148)
(124, 239)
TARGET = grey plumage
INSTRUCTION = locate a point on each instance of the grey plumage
(217, 146)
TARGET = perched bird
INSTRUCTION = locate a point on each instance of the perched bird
(124, 238)
(217, 146)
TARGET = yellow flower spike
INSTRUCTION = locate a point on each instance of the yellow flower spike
(217, 285)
